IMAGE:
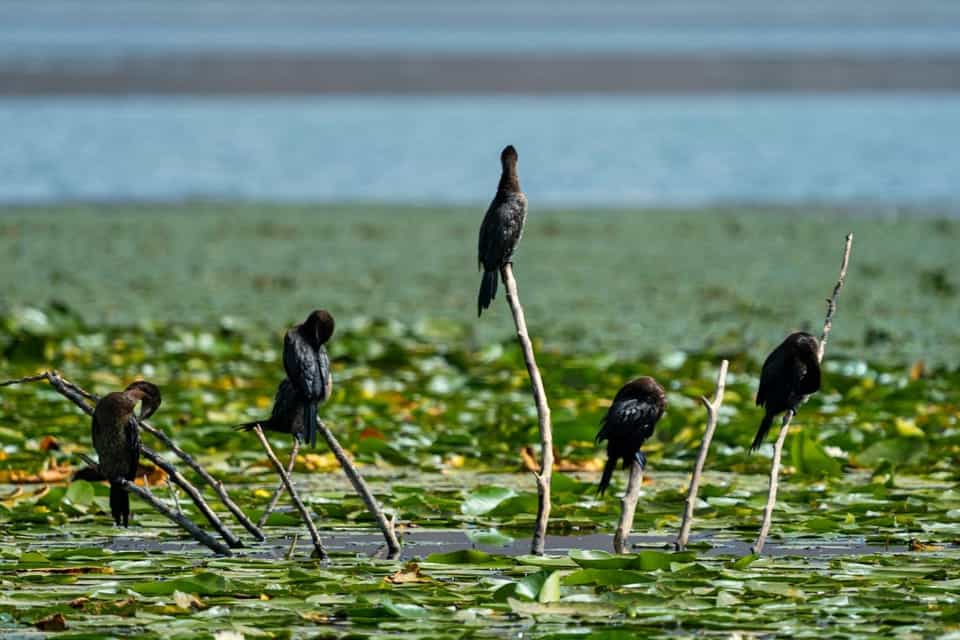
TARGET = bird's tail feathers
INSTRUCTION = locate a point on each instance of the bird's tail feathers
(119, 504)
(310, 423)
(762, 432)
(608, 470)
(488, 291)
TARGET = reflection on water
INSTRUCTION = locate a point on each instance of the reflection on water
(595, 150)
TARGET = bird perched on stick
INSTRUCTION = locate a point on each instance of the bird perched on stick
(501, 228)
(116, 438)
(286, 415)
(790, 373)
(308, 366)
(629, 422)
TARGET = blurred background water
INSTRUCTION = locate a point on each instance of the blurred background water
(136, 136)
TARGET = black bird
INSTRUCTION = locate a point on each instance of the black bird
(501, 228)
(308, 366)
(117, 440)
(287, 413)
(629, 422)
(790, 373)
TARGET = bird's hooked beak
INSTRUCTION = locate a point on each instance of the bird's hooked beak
(149, 396)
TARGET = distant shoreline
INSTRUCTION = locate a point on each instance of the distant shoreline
(265, 73)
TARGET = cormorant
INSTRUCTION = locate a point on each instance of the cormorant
(117, 439)
(308, 366)
(790, 373)
(501, 228)
(629, 422)
(287, 413)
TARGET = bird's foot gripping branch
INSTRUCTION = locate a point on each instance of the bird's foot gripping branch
(88, 402)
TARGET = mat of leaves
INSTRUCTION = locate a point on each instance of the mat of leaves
(864, 536)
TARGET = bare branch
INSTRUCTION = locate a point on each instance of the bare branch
(178, 518)
(713, 409)
(177, 478)
(39, 376)
(788, 416)
(275, 498)
(304, 514)
(543, 412)
(360, 486)
(628, 506)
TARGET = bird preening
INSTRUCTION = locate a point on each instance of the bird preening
(501, 229)
(628, 423)
(308, 366)
(116, 439)
(790, 373)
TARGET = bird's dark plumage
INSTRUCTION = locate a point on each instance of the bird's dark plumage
(287, 413)
(790, 373)
(116, 439)
(501, 229)
(629, 422)
(308, 366)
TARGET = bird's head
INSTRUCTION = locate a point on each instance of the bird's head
(805, 343)
(508, 157)
(148, 394)
(319, 325)
(645, 387)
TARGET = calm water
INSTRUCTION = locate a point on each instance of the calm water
(590, 150)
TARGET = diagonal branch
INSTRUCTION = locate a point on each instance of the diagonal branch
(713, 409)
(788, 416)
(275, 498)
(543, 412)
(297, 502)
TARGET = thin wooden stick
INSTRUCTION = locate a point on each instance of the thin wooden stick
(713, 410)
(360, 486)
(181, 520)
(307, 520)
(183, 483)
(275, 498)
(628, 506)
(39, 376)
(215, 484)
(788, 416)
(543, 412)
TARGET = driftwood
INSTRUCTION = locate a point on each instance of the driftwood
(713, 409)
(543, 412)
(275, 498)
(628, 506)
(788, 416)
(176, 517)
(297, 502)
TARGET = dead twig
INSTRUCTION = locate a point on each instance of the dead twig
(360, 486)
(275, 498)
(788, 416)
(179, 519)
(628, 506)
(543, 412)
(304, 514)
(713, 410)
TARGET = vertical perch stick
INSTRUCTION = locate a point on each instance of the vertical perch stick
(543, 412)
(713, 409)
(307, 520)
(360, 486)
(788, 416)
(275, 498)
(628, 506)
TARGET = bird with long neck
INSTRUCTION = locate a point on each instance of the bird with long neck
(116, 439)
(628, 423)
(307, 365)
(501, 229)
(790, 373)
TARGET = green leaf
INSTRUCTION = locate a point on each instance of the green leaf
(485, 499)
(463, 556)
(80, 493)
(550, 591)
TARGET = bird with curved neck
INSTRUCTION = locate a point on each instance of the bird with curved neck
(790, 373)
(308, 366)
(116, 439)
(629, 422)
(502, 227)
